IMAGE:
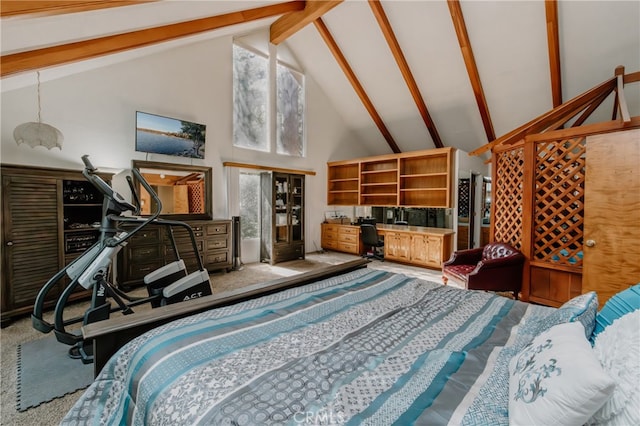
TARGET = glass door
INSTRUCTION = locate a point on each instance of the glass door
(281, 208)
(297, 207)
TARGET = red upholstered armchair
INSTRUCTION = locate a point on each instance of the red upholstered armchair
(494, 267)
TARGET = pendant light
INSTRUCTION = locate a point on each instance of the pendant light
(38, 134)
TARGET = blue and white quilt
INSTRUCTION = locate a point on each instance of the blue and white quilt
(367, 347)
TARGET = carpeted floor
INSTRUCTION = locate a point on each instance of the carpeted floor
(20, 331)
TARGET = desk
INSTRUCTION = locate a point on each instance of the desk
(414, 245)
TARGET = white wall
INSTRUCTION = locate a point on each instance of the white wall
(95, 110)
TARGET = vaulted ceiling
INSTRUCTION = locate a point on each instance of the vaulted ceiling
(405, 75)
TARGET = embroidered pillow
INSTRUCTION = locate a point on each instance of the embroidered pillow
(618, 349)
(582, 308)
(557, 379)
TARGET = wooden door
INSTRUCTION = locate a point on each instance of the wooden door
(30, 239)
(612, 213)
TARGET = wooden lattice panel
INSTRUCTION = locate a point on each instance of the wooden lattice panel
(559, 201)
(508, 195)
(196, 197)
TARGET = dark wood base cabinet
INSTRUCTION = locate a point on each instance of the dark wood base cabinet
(151, 248)
(48, 218)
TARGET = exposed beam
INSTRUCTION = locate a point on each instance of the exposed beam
(269, 168)
(287, 25)
(55, 7)
(89, 49)
(392, 41)
(622, 100)
(346, 68)
(553, 45)
(472, 70)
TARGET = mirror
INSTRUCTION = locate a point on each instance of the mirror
(185, 191)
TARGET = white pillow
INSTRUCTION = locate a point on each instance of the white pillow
(557, 379)
(618, 349)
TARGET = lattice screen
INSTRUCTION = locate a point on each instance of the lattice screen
(196, 197)
(463, 197)
(559, 201)
(508, 196)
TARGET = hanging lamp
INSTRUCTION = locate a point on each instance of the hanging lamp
(38, 134)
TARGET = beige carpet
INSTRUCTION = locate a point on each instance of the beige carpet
(51, 413)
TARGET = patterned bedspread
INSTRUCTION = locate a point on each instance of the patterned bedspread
(367, 347)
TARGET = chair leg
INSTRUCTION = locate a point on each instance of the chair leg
(445, 280)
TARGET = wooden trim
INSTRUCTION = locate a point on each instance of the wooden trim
(589, 129)
(553, 45)
(472, 69)
(287, 25)
(346, 68)
(93, 48)
(56, 7)
(268, 168)
(396, 50)
(384, 157)
(622, 101)
(110, 335)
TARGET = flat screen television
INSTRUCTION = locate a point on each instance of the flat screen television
(169, 136)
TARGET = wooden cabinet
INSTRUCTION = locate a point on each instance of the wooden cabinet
(282, 212)
(412, 179)
(151, 248)
(344, 238)
(419, 246)
(397, 246)
(48, 218)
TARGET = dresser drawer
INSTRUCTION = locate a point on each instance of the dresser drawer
(146, 252)
(218, 228)
(348, 238)
(217, 243)
(349, 230)
(217, 257)
(148, 235)
(348, 247)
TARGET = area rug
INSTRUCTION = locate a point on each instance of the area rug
(46, 372)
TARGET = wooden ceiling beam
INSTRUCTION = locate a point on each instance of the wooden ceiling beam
(396, 50)
(35, 7)
(553, 46)
(472, 69)
(287, 25)
(346, 68)
(93, 48)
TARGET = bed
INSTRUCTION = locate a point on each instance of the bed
(362, 347)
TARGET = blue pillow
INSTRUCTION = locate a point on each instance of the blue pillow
(621, 303)
(581, 308)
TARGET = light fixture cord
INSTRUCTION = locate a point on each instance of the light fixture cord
(39, 108)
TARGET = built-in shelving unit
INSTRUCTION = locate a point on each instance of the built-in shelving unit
(416, 179)
(343, 184)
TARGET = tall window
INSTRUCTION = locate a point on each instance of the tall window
(290, 123)
(250, 95)
(252, 118)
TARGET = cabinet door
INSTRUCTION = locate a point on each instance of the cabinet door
(419, 248)
(434, 252)
(30, 233)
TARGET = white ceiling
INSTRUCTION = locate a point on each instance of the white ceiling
(508, 38)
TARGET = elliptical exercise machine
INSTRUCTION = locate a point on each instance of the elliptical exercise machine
(169, 284)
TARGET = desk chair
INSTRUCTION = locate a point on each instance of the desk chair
(371, 241)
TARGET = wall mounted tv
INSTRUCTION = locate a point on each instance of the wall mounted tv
(169, 136)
